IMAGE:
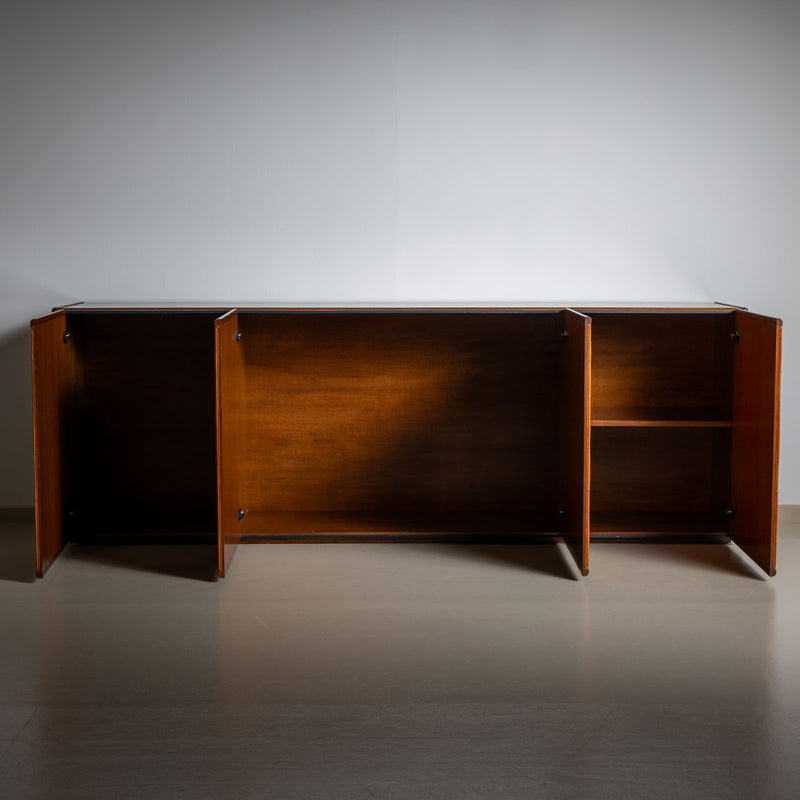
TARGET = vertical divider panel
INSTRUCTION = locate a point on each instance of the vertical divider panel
(574, 434)
(756, 418)
(229, 403)
(52, 368)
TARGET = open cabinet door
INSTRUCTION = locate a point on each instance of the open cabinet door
(52, 362)
(229, 377)
(756, 414)
(574, 435)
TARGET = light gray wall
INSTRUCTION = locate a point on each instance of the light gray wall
(387, 151)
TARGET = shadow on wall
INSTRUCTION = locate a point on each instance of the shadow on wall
(16, 425)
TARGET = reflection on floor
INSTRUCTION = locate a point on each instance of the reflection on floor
(399, 671)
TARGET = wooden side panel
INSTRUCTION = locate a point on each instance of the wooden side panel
(756, 414)
(52, 367)
(229, 378)
(574, 439)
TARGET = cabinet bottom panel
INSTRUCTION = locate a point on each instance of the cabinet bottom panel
(383, 524)
(656, 523)
(142, 525)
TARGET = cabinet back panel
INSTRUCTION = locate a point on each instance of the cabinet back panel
(394, 412)
(663, 360)
(660, 469)
(142, 445)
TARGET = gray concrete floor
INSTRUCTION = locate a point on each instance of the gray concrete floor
(399, 671)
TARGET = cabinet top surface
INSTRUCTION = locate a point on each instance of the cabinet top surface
(395, 306)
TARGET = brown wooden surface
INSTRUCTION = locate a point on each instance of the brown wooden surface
(395, 422)
(142, 442)
(52, 372)
(384, 414)
(660, 470)
(756, 413)
(396, 525)
(574, 435)
(660, 417)
(229, 401)
(661, 393)
(672, 364)
(642, 524)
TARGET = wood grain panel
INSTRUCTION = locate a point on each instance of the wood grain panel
(386, 413)
(142, 441)
(656, 469)
(229, 402)
(398, 525)
(638, 524)
(659, 417)
(678, 365)
(574, 435)
(52, 366)
(756, 435)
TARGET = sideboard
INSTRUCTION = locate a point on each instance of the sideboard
(202, 422)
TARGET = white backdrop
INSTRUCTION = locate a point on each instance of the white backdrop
(384, 151)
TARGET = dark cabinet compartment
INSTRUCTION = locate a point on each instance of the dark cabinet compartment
(140, 443)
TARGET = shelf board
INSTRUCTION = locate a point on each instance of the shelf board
(325, 523)
(649, 417)
(646, 523)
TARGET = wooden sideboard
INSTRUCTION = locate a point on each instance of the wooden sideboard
(191, 423)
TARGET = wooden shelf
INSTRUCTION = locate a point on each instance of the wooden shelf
(314, 522)
(659, 522)
(394, 524)
(643, 417)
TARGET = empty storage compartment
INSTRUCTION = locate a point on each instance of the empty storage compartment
(394, 423)
(140, 442)
(662, 387)
(662, 367)
(667, 480)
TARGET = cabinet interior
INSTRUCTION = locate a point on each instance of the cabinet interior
(386, 423)
(364, 423)
(140, 440)
(662, 388)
